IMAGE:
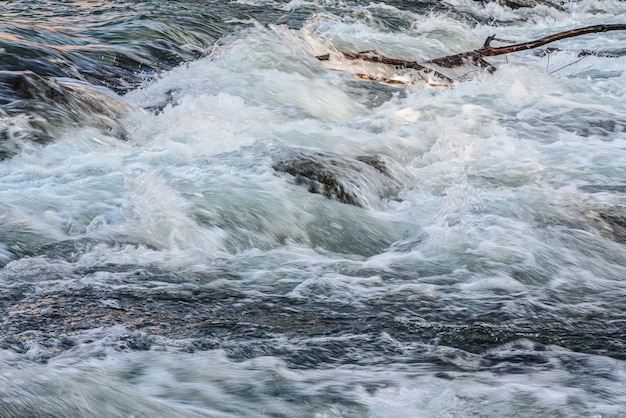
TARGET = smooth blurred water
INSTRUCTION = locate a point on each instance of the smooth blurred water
(156, 262)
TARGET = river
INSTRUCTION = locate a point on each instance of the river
(199, 218)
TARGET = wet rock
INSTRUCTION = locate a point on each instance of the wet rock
(12, 139)
(26, 85)
(49, 104)
(98, 105)
(19, 244)
(362, 181)
(170, 98)
(42, 327)
(518, 4)
(140, 342)
(611, 224)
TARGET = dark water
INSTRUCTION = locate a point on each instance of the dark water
(199, 218)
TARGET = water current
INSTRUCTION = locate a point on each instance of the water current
(199, 218)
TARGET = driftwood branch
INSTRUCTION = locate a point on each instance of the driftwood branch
(373, 56)
(477, 56)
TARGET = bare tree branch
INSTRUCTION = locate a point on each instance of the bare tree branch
(477, 56)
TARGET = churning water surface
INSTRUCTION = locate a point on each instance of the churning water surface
(162, 253)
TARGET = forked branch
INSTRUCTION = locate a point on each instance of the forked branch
(476, 57)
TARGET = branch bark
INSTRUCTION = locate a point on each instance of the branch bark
(477, 56)
(373, 56)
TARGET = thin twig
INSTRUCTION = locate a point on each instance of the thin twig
(567, 65)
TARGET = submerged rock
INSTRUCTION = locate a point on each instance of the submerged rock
(49, 104)
(518, 4)
(11, 139)
(611, 225)
(362, 181)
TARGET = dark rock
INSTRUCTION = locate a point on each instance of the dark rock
(517, 4)
(11, 140)
(51, 104)
(362, 181)
(611, 225)
(139, 342)
(26, 85)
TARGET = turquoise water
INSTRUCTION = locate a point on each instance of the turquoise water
(162, 252)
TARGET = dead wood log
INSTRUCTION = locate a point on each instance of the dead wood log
(477, 56)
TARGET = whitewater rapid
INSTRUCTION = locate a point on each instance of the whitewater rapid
(155, 262)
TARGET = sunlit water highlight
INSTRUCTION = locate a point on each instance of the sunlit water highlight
(157, 263)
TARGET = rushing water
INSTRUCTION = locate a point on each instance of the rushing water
(161, 255)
